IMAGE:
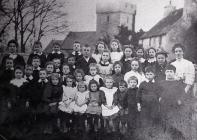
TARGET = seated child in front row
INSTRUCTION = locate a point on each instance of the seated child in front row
(109, 110)
(52, 96)
(80, 106)
(96, 98)
(66, 104)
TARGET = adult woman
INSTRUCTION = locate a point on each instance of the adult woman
(184, 68)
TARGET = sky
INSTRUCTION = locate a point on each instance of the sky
(149, 12)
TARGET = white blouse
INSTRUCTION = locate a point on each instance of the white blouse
(184, 70)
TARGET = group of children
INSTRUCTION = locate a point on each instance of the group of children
(111, 89)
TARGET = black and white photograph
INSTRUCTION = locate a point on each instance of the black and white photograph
(98, 69)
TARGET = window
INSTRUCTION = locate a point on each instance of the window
(108, 18)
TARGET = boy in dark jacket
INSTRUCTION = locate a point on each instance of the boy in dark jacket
(130, 102)
(37, 51)
(119, 99)
(84, 62)
(148, 98)
(56, 53)
(175, 106)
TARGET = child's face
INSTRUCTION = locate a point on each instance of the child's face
(86, 52)
(100, 48)
(128, 52)
(122, 88)
(49, 68)
(12, 48)
(79, 77)
(57, 63)
(37, 48)
(108, 83)
(55, 81)
(117, 68)
(76, 47)
(42, 75)
(178, 53)
(9, 64)
(93, 87)
(151, 53)
(71, 61)
(28, 71)
(36, 63)
(93, 71)
(114, 46)
(69, 82)
(150, 76)
(135, 65)
(161, 59)
(140, 53)
(56, 48)
(132, 83)
(81, 88)
(65, 69)
(105, 56)
(18, 74)
(170, 74)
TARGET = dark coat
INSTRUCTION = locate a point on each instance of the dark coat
(43, 59)
(51, 56)
(84, 65)
(18, 61)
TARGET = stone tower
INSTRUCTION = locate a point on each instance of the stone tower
(114, 13)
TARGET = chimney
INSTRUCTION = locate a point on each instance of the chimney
(168, 9)
(190, 10)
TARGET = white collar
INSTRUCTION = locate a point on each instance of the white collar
(30, 77)
(153, 81)
(151, 60)
(38, 68)
(38, 53)
(56, 52)
(18, 82)
(13, 56)
(127, 59)
(10, 69)
(45, 81)
(74, 53)
(87, 59)
(105, 63)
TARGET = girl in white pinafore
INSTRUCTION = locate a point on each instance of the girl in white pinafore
(81, 98)
(69, 91)
(109, 110)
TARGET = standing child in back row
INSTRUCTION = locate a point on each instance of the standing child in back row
(116, 50)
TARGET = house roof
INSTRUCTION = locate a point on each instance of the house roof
(83, 37)
(49, 47)
(164, 25)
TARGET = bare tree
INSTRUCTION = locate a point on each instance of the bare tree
(33, 19)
